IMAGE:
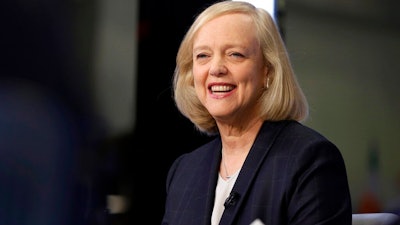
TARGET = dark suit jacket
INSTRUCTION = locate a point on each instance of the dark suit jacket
(292, 175)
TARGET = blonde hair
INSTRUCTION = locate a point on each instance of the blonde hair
(282, 100)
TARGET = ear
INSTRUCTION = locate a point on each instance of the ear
(266, 78)
(266, 82)
(266, 70)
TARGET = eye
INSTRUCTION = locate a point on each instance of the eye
(201, 56)
(237, 55)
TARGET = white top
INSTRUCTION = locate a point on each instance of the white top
(222, 191)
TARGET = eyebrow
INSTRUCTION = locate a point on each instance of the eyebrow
(227, 46)
(200, 47)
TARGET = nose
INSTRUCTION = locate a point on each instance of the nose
(218, 67)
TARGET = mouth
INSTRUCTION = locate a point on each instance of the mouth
(221, 88)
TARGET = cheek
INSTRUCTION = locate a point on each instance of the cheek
(254, 81)
(199, 77)
(200, 80)
(250, 76)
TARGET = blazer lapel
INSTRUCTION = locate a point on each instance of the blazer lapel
(258, 152)
(212, 176)
(205, 180)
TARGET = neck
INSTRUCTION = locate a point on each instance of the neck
(232, 162)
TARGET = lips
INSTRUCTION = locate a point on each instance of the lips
(222, 88)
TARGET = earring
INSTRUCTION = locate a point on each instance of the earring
(267, 82)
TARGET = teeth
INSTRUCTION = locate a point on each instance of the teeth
(221, 88)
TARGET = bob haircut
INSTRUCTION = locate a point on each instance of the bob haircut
(282, 100)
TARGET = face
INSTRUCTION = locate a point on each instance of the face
(228, 69)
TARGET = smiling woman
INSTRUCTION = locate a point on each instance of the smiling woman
(234, 81)
(228, 67)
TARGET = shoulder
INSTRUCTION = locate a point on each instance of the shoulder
(200, 152)
(297, 139)
(297, 129)
(300, 134)
(193, 159)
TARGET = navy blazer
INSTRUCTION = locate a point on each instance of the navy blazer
(292, 175)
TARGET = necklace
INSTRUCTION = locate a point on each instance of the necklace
(227, 176)
(226, 170)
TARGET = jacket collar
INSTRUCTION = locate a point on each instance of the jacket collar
(257, 154)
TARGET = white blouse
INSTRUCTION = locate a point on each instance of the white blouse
(222, 191)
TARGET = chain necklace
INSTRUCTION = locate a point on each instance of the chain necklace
(226, 170)
(227, 176)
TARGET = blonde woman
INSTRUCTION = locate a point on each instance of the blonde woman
(234, 81)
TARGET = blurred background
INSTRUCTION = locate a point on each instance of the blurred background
(88, 128)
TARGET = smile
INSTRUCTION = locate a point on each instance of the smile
(222, 88)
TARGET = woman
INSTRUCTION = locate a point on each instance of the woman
(234, 80)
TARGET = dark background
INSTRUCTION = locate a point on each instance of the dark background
(59, 162)
(161, 133)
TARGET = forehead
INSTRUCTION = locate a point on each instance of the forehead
(229, 26)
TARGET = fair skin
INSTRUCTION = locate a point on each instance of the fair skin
(229, 76)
